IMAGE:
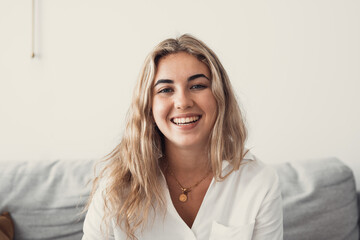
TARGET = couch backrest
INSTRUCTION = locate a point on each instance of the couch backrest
(45, 198)
(319, 200)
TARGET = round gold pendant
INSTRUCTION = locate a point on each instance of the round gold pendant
(183, 197)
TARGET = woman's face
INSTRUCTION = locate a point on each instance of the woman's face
(183, 105)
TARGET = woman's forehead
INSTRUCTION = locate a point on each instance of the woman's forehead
(180, 65)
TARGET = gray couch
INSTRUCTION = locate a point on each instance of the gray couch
(45, 198)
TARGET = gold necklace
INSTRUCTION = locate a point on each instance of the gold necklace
(183, 197)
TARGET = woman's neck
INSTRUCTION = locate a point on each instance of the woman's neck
(185, 162)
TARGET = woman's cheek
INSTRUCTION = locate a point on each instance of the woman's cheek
(161, 110)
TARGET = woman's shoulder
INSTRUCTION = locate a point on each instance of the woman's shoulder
(254, 171)
(254, 165)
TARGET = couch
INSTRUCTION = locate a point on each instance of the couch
(46, 198)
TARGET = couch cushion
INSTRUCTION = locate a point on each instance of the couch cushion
(319, 200)
(45, 198)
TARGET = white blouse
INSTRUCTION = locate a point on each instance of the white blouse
(246, 205)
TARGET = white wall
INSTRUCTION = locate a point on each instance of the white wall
(295, 66)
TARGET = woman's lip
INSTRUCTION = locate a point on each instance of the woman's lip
(185, 120)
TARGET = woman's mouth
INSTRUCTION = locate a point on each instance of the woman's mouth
(185, 120)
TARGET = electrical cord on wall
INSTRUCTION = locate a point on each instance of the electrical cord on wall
(33, 30)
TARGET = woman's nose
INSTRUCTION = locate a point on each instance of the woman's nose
(183, 100)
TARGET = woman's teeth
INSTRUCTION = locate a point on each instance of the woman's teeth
(187, 120)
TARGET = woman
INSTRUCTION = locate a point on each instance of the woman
(181, 170)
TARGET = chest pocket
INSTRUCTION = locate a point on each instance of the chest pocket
(221, 232)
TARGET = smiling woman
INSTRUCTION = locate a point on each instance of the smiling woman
(184, 107)
(181, 170)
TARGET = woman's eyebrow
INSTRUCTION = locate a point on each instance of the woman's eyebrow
(193, 77)
(163, 81)
(197, 76)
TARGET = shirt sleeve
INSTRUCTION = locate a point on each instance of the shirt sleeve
(269, 220)
(94, 227)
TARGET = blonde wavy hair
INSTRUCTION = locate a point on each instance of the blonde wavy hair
(132, 169)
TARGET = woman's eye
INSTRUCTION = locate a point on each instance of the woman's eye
(198, 86)
(165, 90)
